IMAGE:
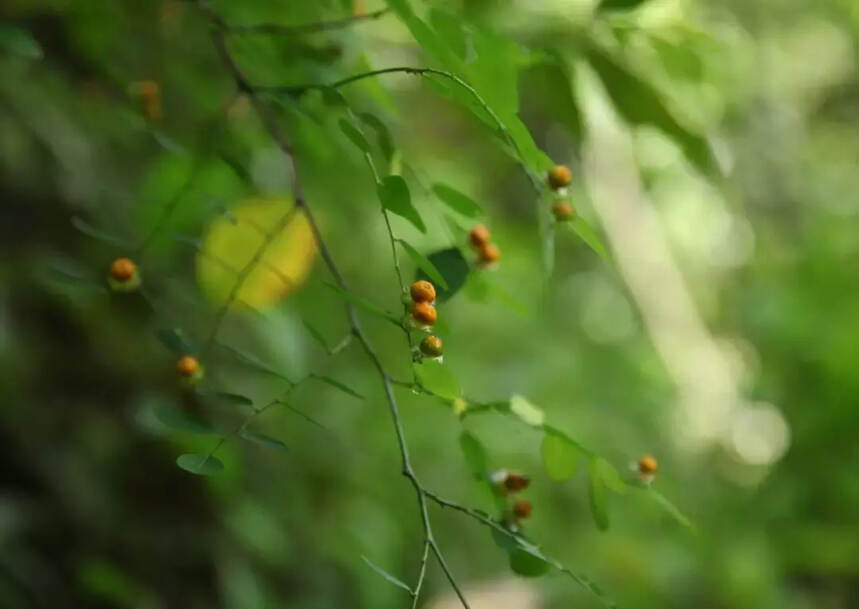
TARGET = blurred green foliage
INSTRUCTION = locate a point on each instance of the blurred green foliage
(742, 121)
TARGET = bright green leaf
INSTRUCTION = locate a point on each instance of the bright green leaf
(475, 454)
(436, 378)
(424, 264)
(560, 458)
(394, 194)
(597, 496)
(528, 412)
(609, 476)
(202, 465)
(457, 201)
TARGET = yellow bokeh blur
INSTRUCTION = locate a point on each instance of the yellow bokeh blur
(234, 240)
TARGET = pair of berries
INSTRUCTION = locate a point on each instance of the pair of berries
(480, 239)
(123, 275)
(558, 178)
(510, 482)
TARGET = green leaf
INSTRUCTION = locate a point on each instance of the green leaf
(202, 465)
(451, 264)
(386, 143)
(528, 412)
(589, 236)
(91, 231)
(338, 385)
(175, 340)
(394, 194)
(252, 361)
(333, 97)
(179, 420)
(494, 71)
(448, 27)
(669, 507)
(597, 496)
(475, 454)
(619, 5)
(263, 439)
(355, 136)
(553, 82)
(609, 476)
(424, 264)
(432, 44)
(386, 575)
(18, 41)
(528, 564)
(364, 304)
(436, 378)
(457, 201)
(226, 396)
(560, 458)
(639, 103)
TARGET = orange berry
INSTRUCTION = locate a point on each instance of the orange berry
(522, 508)
(424, 313)
(123, 269)
(489, 253)
(187, 366)
(422, 291)
(479, 236)
(648, 465)
(562, 210)
(516, 482)
(431, 346)
(559, 177)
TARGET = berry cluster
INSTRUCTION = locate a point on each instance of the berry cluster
(507, 483)
(480, 239)
(559, 178)
(424, 316)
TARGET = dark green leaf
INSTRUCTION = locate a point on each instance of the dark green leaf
(175, 340)
(475, 454)
(73, 277)
(453, 267)
(436, 378)
(620, 5)
(364, 304)
(179, 420)
(386, 575)
(424, 264)
(394, 194)
(316, 335)
(18, 41)
(639, 103)
(457, 201)
(589, 236)
(263, 439)
(97, 234)
(505, 542)
(338, 385)
(526, 564)
(560, 458)
(202, 465)
(597, 496)
(333, 97)
(386, 144)
(355, 136)
(552, 82)
(226, 396)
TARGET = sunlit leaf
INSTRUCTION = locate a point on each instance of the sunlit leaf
(338, 385)
(424, 264)
(263, 439)
(437, 378)
(453, 267)
(364, 304)
(394, 194)
(560, 458)
(525, 410)
(386, 575)
(202, 465)
(475, 454)
(355, 136)
(597, 496)
(457, 201)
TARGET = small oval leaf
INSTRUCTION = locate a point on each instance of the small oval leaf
(457, 201)
(437, 379)
(525, 410)
(474, 453)
(597, 496)
(395, 197)
(527, 564)
(560, 458)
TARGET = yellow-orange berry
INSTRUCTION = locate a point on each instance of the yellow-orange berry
(479, 236)
(489, 253)
(187, 366)
(648, 465)
(123, 269)
(522, 508)
(562, 210)
(424, 313)
(559, 176)
(431, 346)
(422, 291)
(515, 482)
